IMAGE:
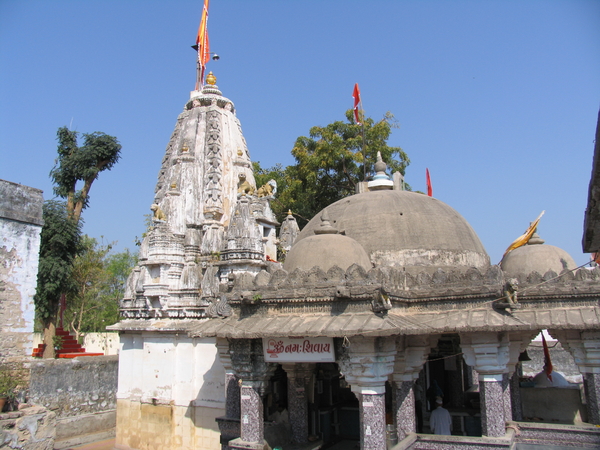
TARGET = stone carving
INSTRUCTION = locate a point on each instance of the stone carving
(214, 185)
(289, 232)
(267, 190)
(510, 295)
(381, 303)
(244, 187)
(158, 213)
(220, 308)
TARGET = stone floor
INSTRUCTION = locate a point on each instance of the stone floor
(107, 444)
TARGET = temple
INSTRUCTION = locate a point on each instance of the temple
(385, 301)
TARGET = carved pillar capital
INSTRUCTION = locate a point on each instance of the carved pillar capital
(584, 346)
(299, 370)
(367, 363)
(411, 355)
(247, 361)
(517, 344)
(487, 352)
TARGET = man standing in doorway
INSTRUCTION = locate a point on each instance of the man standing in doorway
(440, 421)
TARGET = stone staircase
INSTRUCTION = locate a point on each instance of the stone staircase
(70, 348)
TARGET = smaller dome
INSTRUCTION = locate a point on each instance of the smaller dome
(558, 380)
(534, 257)
(326, 249)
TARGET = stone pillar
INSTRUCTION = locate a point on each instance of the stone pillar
(585, 348)
(229, 425)
(298, 377)
(492, 405)
(232, 387)
(248, 363)
(515, 393)
(372, 416)
(411, 354)
(366, 363)
(487, 352)
(517, 343)
(507, 397)
(591, 384)
(252, 422)
(405, 414)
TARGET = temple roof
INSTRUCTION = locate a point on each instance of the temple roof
(405, 229)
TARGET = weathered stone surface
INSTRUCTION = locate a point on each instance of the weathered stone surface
(20, 228)
(71, 387)
(32, 428)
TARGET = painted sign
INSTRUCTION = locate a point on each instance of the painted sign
(314, 349)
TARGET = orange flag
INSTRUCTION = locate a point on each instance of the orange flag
(356, 95)
(524, 238)
(202, 41)
(547, 362)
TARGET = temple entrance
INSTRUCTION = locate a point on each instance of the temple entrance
(333, 410)
(446, 375)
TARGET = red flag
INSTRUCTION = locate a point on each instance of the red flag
(429, 188)
(356, 95)
(547, 363)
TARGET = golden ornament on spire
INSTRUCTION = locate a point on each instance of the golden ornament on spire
(211, 79)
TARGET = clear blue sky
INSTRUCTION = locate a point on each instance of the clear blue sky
(499, 99)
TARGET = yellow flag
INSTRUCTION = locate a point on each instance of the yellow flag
(524, 238)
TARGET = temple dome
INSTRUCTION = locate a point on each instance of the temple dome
(404, 228)
(534, 257)
(325, 248)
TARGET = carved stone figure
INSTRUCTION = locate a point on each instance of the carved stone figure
(158, 213)
(510, 291)
(244, 187)
(510, 295)
(268, 189)
(381, 302)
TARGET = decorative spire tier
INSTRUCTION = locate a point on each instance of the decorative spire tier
(205, 173)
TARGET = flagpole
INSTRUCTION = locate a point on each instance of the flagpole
(362, 123)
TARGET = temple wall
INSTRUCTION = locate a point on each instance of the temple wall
(20, 229)
(171, 389)
(147, 426)
(81, 393)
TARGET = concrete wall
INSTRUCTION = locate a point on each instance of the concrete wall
(82, 394)
(20, 228)
(562, 405)
(171, 389)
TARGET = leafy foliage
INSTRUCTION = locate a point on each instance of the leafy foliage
(330, 163)
(99, 152)
(61, 232)
(100, 279)
(58, 247)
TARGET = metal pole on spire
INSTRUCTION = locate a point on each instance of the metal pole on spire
(203, 46)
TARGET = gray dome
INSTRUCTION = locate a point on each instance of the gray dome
(326, 251)
(535, 257)
(405, 229)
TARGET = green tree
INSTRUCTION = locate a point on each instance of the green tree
(74, 164)
(99, 278)
(330, 163)
(59, 245)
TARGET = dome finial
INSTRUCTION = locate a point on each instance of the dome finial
(380, 180)
(326, 227)
(211, 79)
